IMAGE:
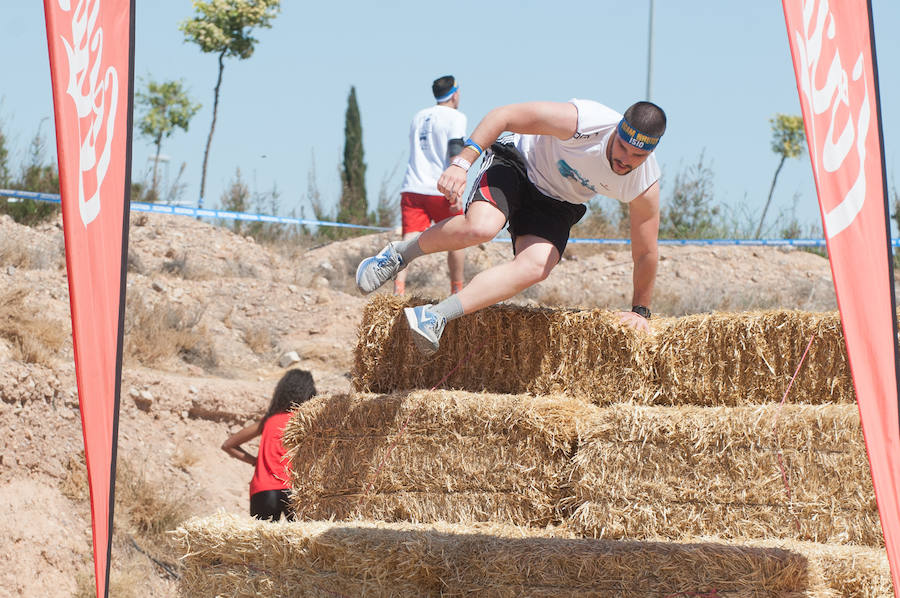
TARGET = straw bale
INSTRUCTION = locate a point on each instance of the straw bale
(505, 349)
(659, 472)
(708, 359)
(228, 555)
(428, 456)
(735, 358)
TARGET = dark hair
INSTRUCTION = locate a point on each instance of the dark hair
(442, 86)
(647, 117)
(296, 386)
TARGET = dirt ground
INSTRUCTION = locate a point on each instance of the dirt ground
(246, 306)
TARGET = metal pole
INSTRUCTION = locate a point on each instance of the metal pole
(650, 54)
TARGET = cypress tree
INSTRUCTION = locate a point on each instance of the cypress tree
(353, 205)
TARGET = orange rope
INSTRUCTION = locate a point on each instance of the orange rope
(784, 477)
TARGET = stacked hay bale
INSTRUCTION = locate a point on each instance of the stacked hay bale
(799, 472)
(433, 456)
(654, 470)
(505, 349)
(735, 359)
(708, 359)
(229, 555)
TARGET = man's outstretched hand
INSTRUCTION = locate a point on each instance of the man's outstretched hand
(638, 322)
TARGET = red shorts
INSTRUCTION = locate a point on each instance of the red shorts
(419, 211)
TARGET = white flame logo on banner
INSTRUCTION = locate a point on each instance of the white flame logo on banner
(834, 94)
(89, 91)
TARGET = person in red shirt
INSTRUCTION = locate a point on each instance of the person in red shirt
(271, 481)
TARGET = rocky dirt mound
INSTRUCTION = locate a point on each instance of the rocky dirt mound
(210, 316)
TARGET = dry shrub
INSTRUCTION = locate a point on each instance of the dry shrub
(179, 265)
(155, 332)
(432, 456)
(239, 269)
(259, 340)
(186, 456)
(146, 511)
(505, 349)
(134, 572)
(125, 579)
(228, 318)
(36, 254)
(74, 484)
(676, 473)
(149, 508)
(134, 263)
(227, 555)
(33, 339)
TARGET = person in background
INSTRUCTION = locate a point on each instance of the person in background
(435, 137)
(271, 480)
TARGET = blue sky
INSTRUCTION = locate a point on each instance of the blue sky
(721, 70)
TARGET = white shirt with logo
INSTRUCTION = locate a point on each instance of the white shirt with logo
(576, 170)
(429, 133)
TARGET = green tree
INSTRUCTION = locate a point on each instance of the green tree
(38, 176)
(353, 207)
(690, 213)
(224, 27)
(788, 139)
(164, 107)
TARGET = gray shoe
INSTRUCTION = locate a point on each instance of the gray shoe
(376, 270)
(427, 327)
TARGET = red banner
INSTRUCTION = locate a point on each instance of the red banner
(834, 60)
(91, 64)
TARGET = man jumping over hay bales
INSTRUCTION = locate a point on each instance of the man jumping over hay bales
(559, 155)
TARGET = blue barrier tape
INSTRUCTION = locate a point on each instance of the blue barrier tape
(156, 208)
(30, 195)
(186, 211)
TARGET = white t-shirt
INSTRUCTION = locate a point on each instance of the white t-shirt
(575, 170)
(429, 133)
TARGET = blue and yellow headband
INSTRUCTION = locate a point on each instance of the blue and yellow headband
(633, 137)
(449, 94)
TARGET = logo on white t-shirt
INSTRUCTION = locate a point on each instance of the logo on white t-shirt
(568, 172)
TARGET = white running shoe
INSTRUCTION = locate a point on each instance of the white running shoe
(374, 271)
(427, 327)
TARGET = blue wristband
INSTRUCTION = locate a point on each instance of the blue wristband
(469, 142)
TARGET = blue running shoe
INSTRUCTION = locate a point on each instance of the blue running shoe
(427, 327)
(376, 270)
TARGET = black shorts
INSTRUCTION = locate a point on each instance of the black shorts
(503, 182)
(271, 504)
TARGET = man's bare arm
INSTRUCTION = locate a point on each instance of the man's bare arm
(644, 218)
(559, 119)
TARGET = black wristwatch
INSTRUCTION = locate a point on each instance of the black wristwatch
(641, 311)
